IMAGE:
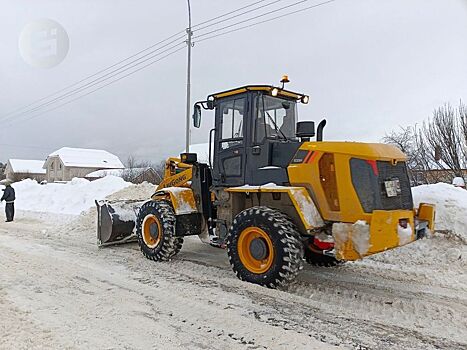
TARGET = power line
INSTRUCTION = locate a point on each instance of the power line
(258, 23)
(240, 14)
(98, 72)
(132, 64)
(252, 18)
(99, 88)
(14, 112)
(23, 110)
(94, 82)
(226, 14)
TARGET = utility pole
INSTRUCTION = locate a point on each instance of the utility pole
(188, 80)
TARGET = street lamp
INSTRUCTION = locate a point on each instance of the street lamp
(188, 81)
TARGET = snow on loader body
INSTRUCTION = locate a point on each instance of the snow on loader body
(273, 198)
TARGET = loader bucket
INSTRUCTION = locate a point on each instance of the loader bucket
(116, 221)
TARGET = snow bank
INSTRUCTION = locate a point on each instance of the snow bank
(70, 198)
(451, 206)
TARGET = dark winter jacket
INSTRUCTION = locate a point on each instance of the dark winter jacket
(8, 195)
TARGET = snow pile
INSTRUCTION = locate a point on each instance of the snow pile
(142, 191)
(451, 206)
(70, 198)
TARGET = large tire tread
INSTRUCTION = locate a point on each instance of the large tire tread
(170, 245)
(286, 240)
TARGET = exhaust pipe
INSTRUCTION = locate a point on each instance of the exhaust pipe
(319, 130)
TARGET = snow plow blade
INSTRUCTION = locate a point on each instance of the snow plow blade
(116, 221)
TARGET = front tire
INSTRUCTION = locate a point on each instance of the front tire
(155, 229)
(264, 247)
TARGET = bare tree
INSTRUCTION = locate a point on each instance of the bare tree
(160, 169)
(463, 124)
(2, 170)
(438, 150)
(134, 168)
(445, 139)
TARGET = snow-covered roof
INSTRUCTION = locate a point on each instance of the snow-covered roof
(27, 166)
(87, 158)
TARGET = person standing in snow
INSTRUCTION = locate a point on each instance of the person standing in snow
(9, 198)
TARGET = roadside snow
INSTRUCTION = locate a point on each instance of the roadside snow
(70, 198)
(451, 206)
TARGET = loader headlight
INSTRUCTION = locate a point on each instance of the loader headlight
(305, 99)
(274, 92)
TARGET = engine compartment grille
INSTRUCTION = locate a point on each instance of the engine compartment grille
(369, 180)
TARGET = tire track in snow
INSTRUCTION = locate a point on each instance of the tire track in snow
(325, 308)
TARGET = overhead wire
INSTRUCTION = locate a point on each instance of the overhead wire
(97, 89)
(94, 82)
(226, 14)
(262, 15)
(22, 110)
(240, 14)
(137, 62)
(96, 73)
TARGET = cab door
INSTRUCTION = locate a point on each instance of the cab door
(229, 147)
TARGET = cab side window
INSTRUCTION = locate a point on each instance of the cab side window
(232, 122)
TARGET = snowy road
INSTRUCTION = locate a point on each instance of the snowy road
(58, 290)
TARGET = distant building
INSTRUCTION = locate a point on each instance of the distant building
(67, 163)
(19, 169)
(430, 176)
(134, 175)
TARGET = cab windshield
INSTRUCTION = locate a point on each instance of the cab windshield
(275, 119)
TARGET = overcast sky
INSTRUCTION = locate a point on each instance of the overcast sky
(368, 65)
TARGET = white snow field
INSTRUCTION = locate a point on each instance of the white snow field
(59, 291)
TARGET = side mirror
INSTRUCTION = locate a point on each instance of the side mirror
(197, 116)
(305, 129)
(210, 104)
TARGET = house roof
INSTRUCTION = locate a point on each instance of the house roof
(27, 166)
(87, 158)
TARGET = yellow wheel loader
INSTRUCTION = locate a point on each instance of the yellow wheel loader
(273, 197)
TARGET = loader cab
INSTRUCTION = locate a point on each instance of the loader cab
(254, 135)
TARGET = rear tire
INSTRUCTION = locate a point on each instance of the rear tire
(155, 229)
(264, 247)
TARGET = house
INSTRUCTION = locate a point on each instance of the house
(135, 175)
(19, 169)
(67, 163)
